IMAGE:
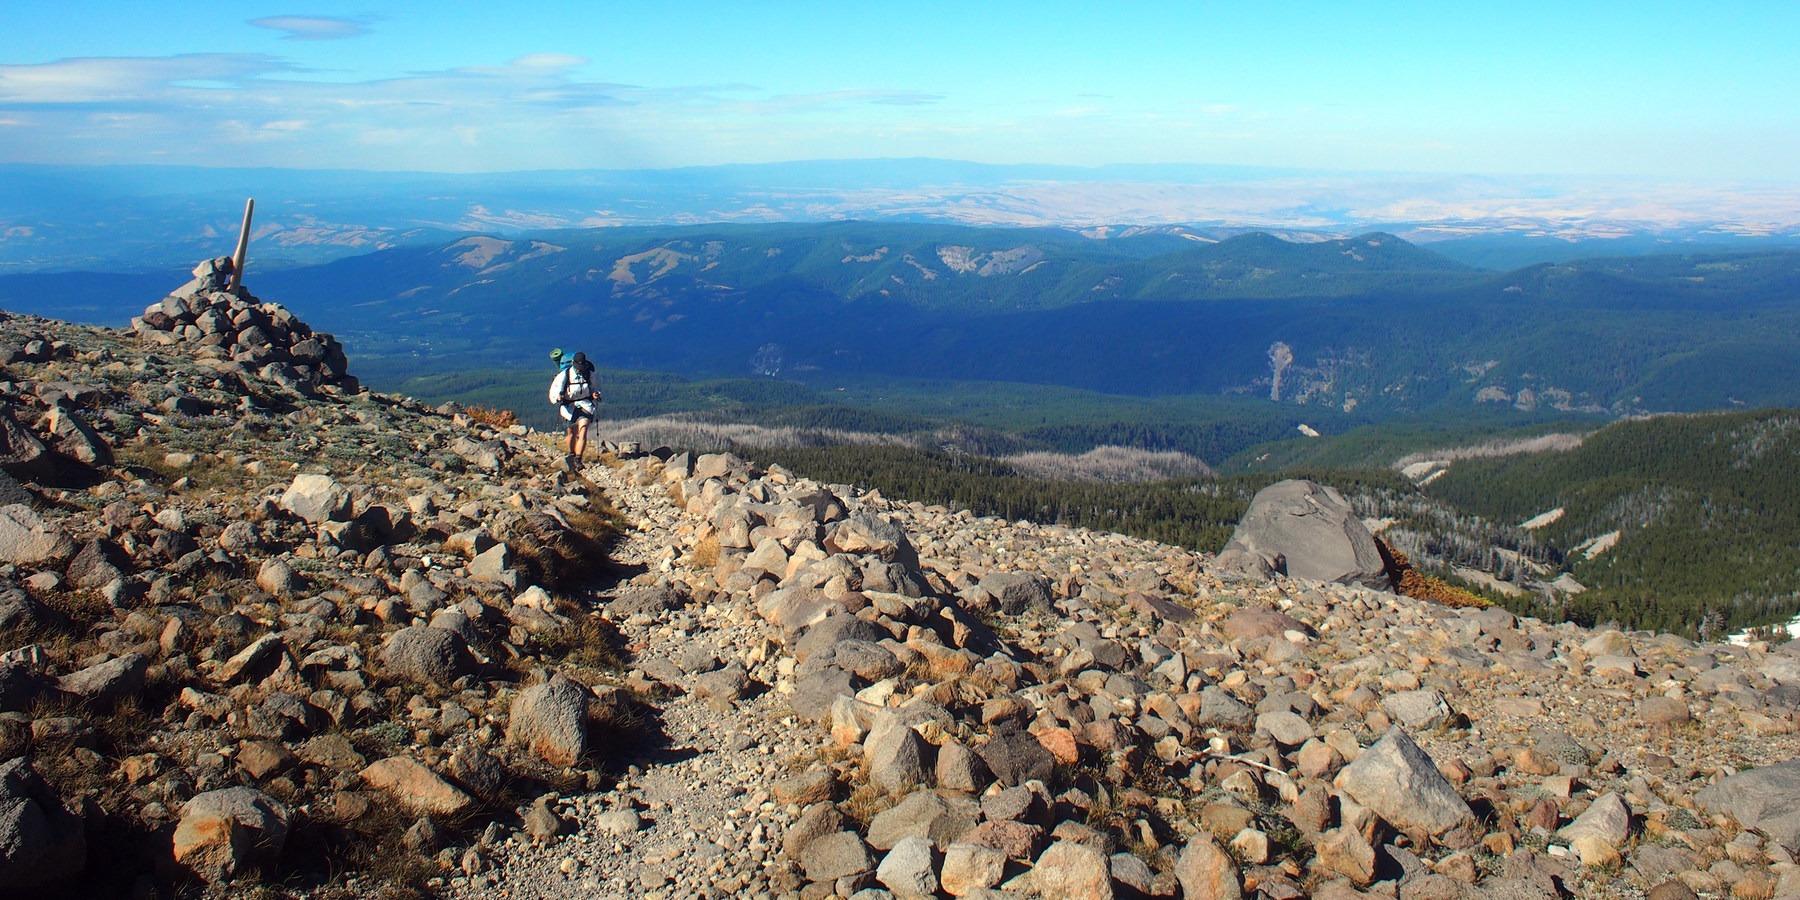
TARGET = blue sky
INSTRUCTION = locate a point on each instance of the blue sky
(1684, 90)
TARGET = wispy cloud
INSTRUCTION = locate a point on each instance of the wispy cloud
(129, 79)
(315, 28)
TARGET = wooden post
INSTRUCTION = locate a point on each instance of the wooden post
(243, 247)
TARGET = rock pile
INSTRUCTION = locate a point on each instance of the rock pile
(242, 335)
(1005, 709)
(259, 627)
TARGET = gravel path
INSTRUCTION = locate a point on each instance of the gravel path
(693, 816)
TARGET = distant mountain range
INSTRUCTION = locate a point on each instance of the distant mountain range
(136, 218)
(1371, 324)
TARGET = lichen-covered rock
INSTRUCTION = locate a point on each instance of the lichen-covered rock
(416, 787)
(223, 831)
(1765, 798)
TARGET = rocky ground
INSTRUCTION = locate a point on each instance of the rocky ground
(264, 632)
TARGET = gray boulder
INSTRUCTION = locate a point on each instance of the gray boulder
(109, 681)
(41, 841)
(1314, 530)
(427, 655)
(316, 498)
(896, 755)
(1766, 799)
(79, 439)
(22, 453)
(551, 719)
(21, 610)
(1416, 709)
(25, 539)
(1017, 591)
(1015, 757)
(1400, 783)
(871, 535)
(837, 855)
(909, 870)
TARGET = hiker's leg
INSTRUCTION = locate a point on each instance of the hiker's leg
(581, 429)
(571, 442)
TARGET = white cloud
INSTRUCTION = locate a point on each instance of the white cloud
(129, 79)
(549, 61)
(315, 28)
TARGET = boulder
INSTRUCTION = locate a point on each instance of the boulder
(1015, 757)
(1017, 591)
(550, 719)
(1416, 709)
(1312, 528)
(909, 869)
(1400, 783)
(107, 682)
(427, 655)
(79, 440)
(22, 454)
(1260, 621)
(21, 610)
(1766, 799)
(317, 499)
(1206, 870)
(1070, 869)
(26, 540)
(895, 755)
(417, 788)
(225, 830)
(836, 855)
(913, 816)
(41, 841)
(969, 868)
(872, 535)
(1599, 832)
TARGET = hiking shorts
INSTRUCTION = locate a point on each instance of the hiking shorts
(580, 409)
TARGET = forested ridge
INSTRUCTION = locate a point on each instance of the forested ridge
(1707, 506)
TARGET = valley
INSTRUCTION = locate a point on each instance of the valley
(1147, 382)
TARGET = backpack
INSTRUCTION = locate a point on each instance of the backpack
(566, 379)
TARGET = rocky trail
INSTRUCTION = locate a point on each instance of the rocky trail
(265, 633)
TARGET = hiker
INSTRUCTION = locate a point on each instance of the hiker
(574, 391)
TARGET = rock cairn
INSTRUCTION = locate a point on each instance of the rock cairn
(255, 628)
(224, 325)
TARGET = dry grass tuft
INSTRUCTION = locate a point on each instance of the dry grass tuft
(1411, 582)
(494, 418)
(706, 553)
